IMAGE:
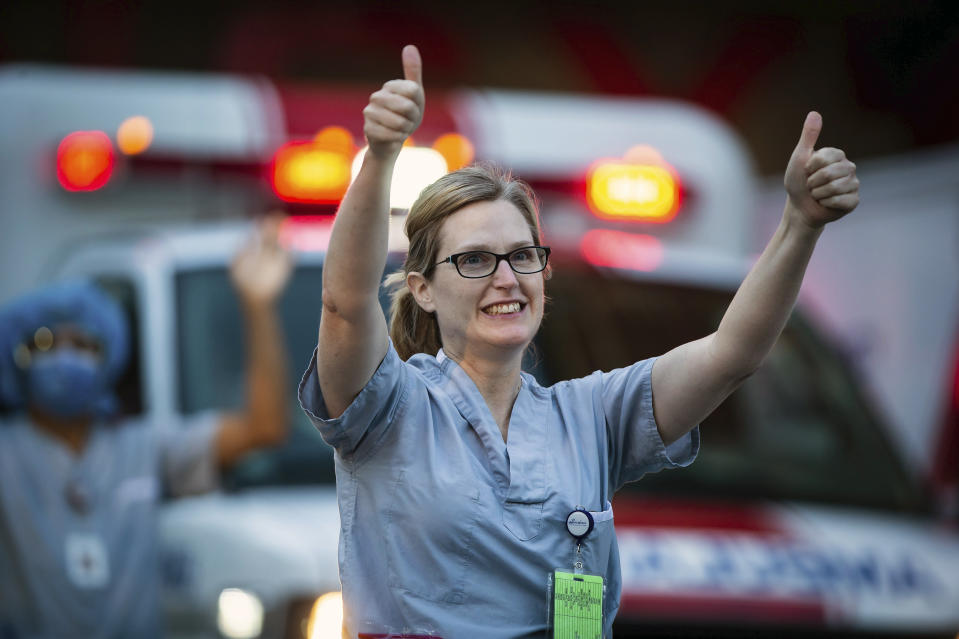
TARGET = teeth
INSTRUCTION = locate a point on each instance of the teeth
(501, 309)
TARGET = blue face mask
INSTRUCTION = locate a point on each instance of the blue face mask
(65, 382)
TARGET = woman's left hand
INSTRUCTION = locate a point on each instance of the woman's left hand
(821, 184)
(261, 269)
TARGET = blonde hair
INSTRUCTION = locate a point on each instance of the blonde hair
(412, 329)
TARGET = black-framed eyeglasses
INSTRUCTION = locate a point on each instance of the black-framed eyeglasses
(524, 260)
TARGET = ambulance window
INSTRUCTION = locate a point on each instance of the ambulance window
(211, 358)
(799, 429)
(130, 383)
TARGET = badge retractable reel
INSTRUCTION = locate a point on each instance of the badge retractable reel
(577, 598)
(579, 524)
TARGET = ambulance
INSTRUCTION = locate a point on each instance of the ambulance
(799, 518)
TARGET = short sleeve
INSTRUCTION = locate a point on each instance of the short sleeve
(188, 455)
(365, 421)
(635, 445)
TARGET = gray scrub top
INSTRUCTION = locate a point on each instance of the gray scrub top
(446, 529)
(78, 533)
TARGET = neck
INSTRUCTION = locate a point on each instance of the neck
(498, 381)
(73, 433)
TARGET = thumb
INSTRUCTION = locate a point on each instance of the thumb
(412, 64)
(810, 131)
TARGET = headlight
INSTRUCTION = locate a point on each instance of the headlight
(326, 618)
(239, 614)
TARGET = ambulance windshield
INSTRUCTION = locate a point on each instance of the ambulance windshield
(797, 430)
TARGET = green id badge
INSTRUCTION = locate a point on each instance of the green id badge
(577, 606)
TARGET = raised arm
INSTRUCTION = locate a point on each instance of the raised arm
(690, 381)
(353, 334)
(259, 273)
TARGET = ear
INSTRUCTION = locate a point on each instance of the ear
(420, 288)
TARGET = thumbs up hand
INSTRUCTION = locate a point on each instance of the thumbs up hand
(822, 185)
(396, 110)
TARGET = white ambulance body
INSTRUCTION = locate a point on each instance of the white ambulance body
(799, 516)
(197, 119)
(885, 283)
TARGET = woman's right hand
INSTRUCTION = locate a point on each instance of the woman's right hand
(396, 110)
(353, 334)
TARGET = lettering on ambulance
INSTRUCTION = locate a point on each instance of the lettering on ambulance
(738, 564)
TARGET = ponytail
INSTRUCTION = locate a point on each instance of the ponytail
(412, 329)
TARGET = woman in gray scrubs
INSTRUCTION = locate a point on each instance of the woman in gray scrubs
(474, 501)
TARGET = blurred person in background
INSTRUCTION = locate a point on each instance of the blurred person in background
(463, 484)
(80, 488)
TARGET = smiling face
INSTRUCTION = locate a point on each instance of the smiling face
(495, 316)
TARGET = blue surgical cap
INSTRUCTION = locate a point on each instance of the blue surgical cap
(79, 303)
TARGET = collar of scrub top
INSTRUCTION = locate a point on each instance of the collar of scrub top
(519, 465)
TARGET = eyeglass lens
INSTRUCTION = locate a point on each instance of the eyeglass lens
(481, 263)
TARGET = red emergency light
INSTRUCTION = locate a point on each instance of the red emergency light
(85, 160)
(306, 232)
(617, 249)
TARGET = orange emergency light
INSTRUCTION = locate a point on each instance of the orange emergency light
(641, 187)
(134, 135)
(456, 149)
(311, 172)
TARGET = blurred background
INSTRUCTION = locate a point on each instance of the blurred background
(882, 73)
(139, 139)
